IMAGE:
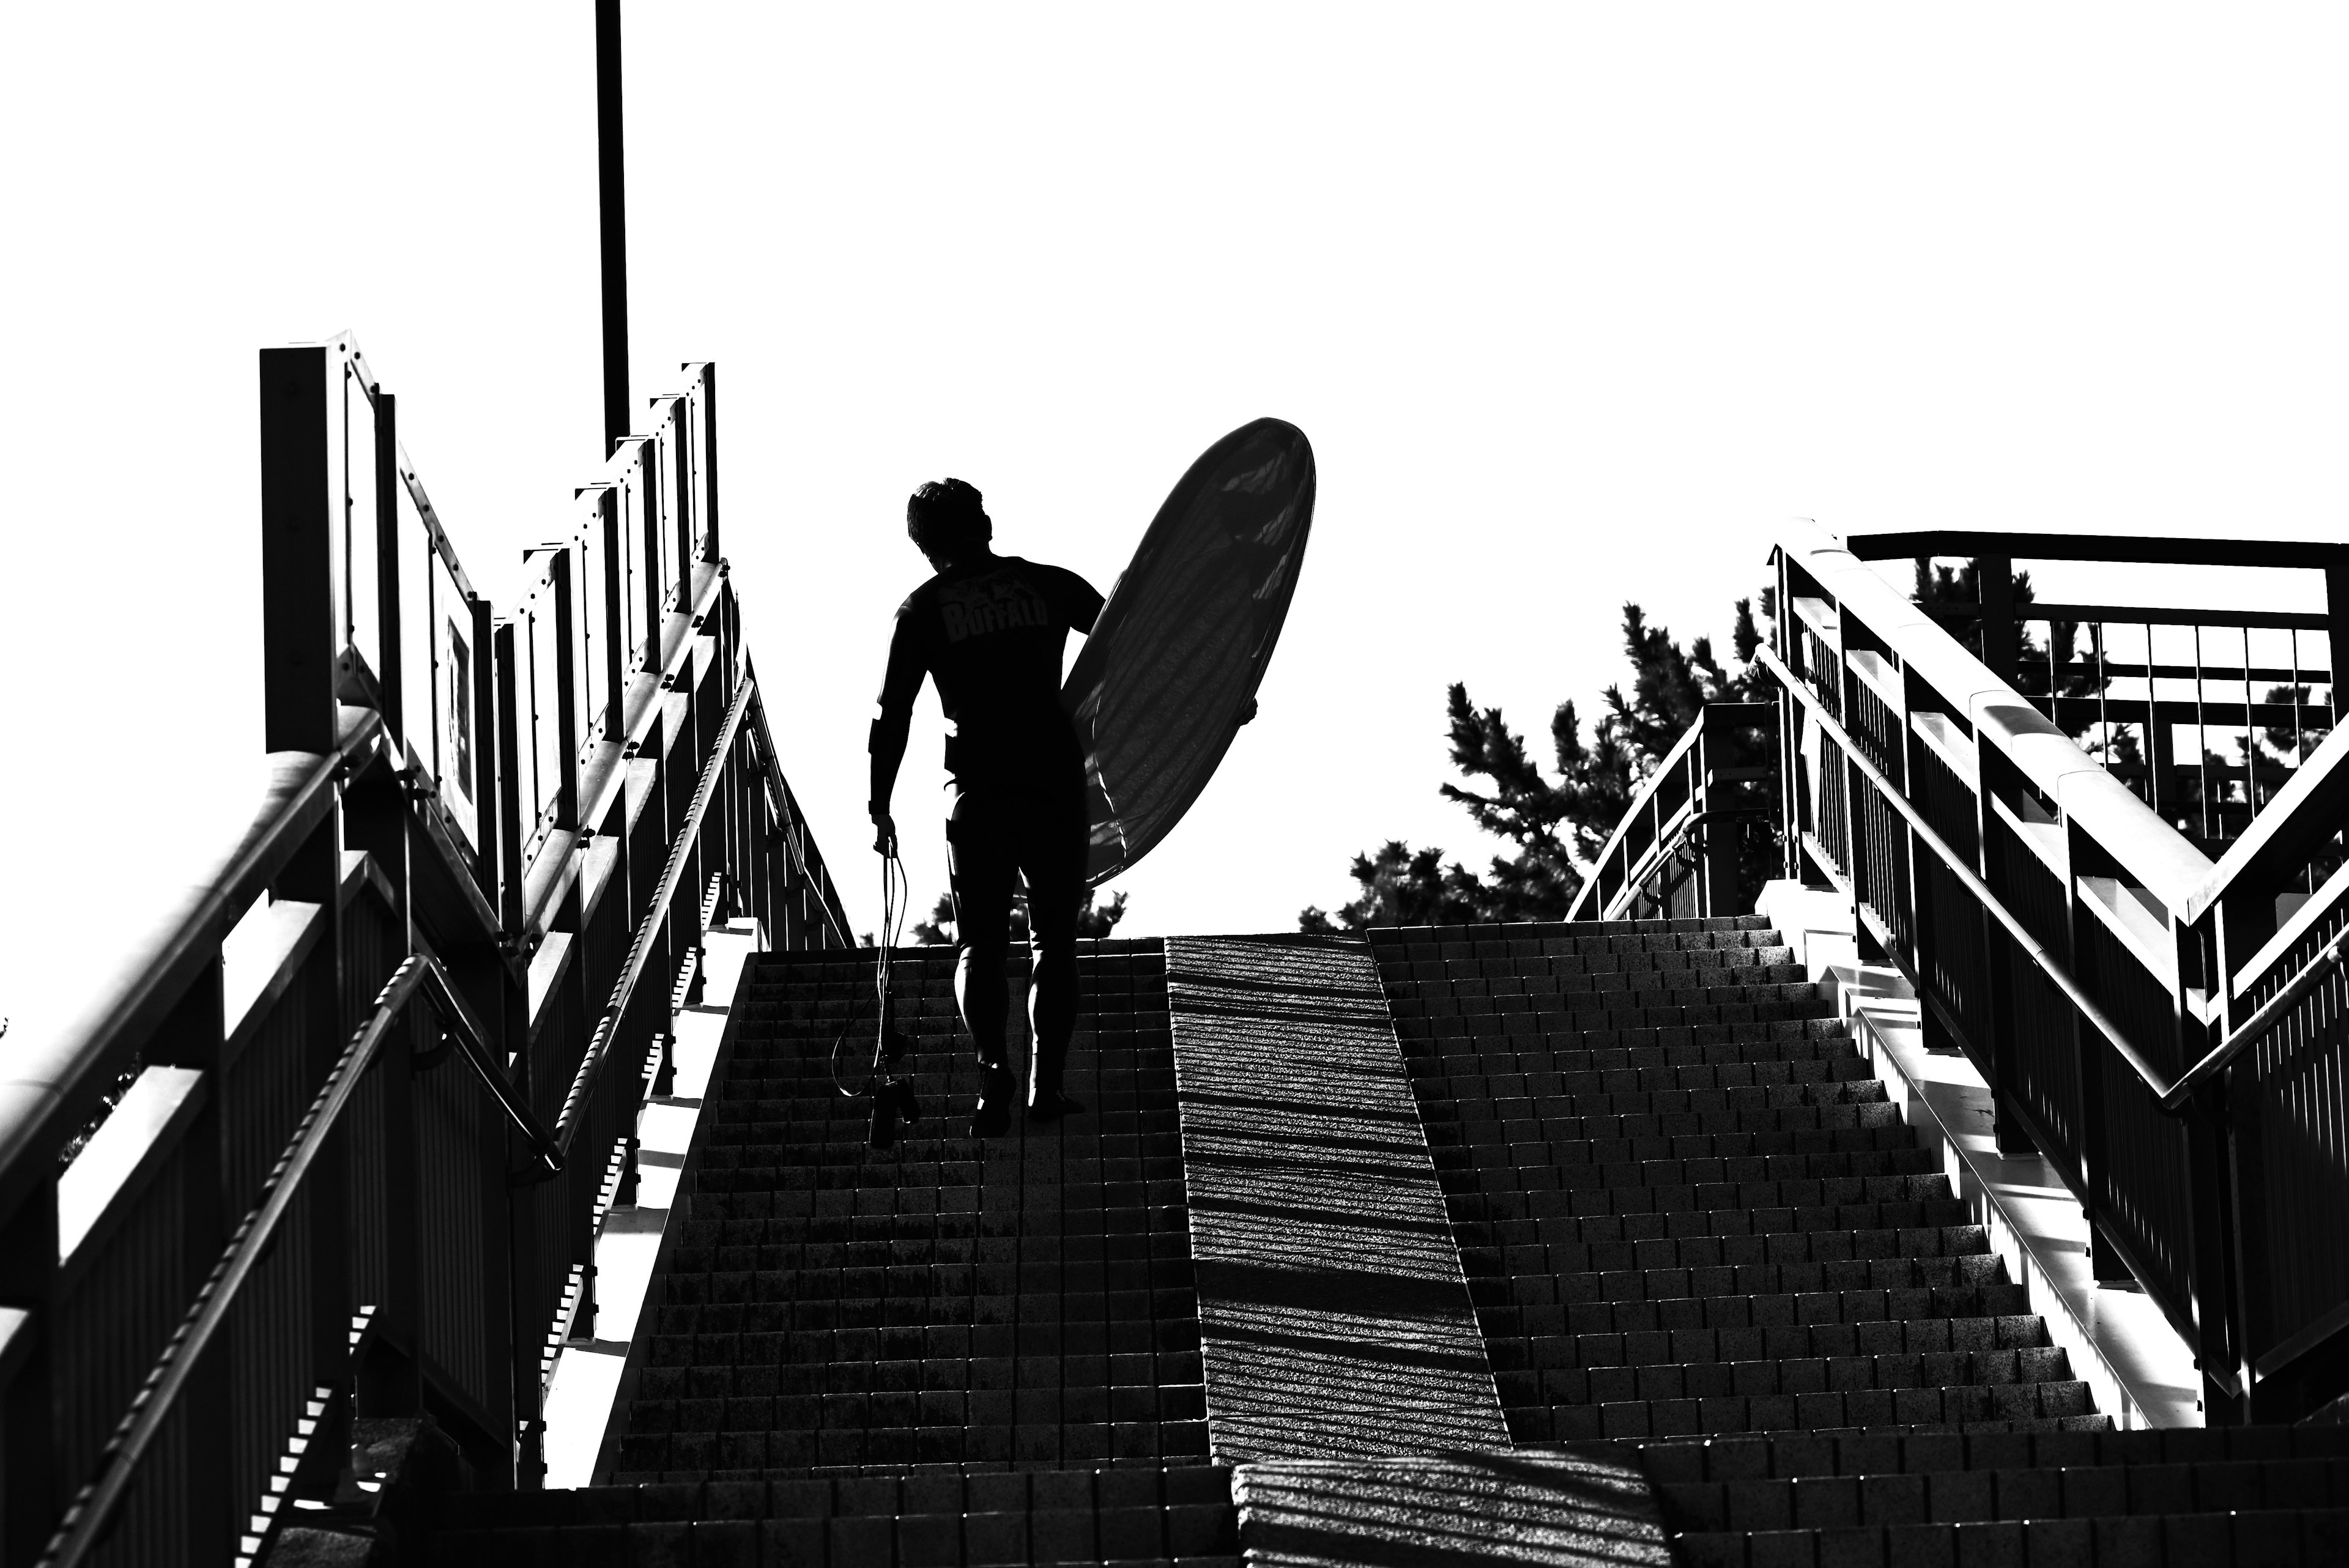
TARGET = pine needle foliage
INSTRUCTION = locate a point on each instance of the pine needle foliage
(1556, 821)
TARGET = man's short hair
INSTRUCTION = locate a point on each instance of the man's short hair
(945, 517)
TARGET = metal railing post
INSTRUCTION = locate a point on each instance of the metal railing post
(300, 516)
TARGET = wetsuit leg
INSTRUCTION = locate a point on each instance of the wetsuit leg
(1052, 858)
(981, 860)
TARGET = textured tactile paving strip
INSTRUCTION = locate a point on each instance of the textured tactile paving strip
(1334, 1319)
(1585, 1508)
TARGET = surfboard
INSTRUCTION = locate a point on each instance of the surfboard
(1170, 670)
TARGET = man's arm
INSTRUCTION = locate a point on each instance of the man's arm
(890, 726)
(1079, 603)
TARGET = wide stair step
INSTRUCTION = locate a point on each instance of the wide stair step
(2238, 1496)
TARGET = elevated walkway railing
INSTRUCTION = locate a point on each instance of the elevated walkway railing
(296, 1217)
(1678, 852)
(2166, 1030)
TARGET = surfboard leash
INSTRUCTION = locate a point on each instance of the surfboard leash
(892, 1096)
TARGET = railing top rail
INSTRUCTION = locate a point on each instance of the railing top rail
(2155, 854)
(2113, 547)
(49, 1085)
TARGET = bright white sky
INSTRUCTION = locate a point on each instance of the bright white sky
(1571, 301)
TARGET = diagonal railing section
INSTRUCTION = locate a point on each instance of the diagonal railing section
(297, 1216)
(2164, 1029)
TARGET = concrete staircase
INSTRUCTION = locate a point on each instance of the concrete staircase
(1732, 1312)
(1685, 1207)
(945, 1352)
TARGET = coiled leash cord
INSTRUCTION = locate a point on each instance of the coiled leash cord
(892, 1096)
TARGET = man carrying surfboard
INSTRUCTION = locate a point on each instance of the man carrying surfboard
(990, 631)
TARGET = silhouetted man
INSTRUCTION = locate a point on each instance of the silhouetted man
(989, 630)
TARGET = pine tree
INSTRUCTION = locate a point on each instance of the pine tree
(1557, 826)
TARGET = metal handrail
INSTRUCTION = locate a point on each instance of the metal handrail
(1957, 864)
(591, 1063)
(2170, 1097)
(86, 1521)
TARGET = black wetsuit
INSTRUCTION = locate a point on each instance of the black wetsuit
(990, 633)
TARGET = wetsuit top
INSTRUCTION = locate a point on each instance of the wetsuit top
(990, 633)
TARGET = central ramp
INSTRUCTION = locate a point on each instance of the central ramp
(1334, 1319)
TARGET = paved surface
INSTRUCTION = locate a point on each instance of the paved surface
(1589, 1507)
(1334, 1319)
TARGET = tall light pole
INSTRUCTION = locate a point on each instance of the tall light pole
(611, 186)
